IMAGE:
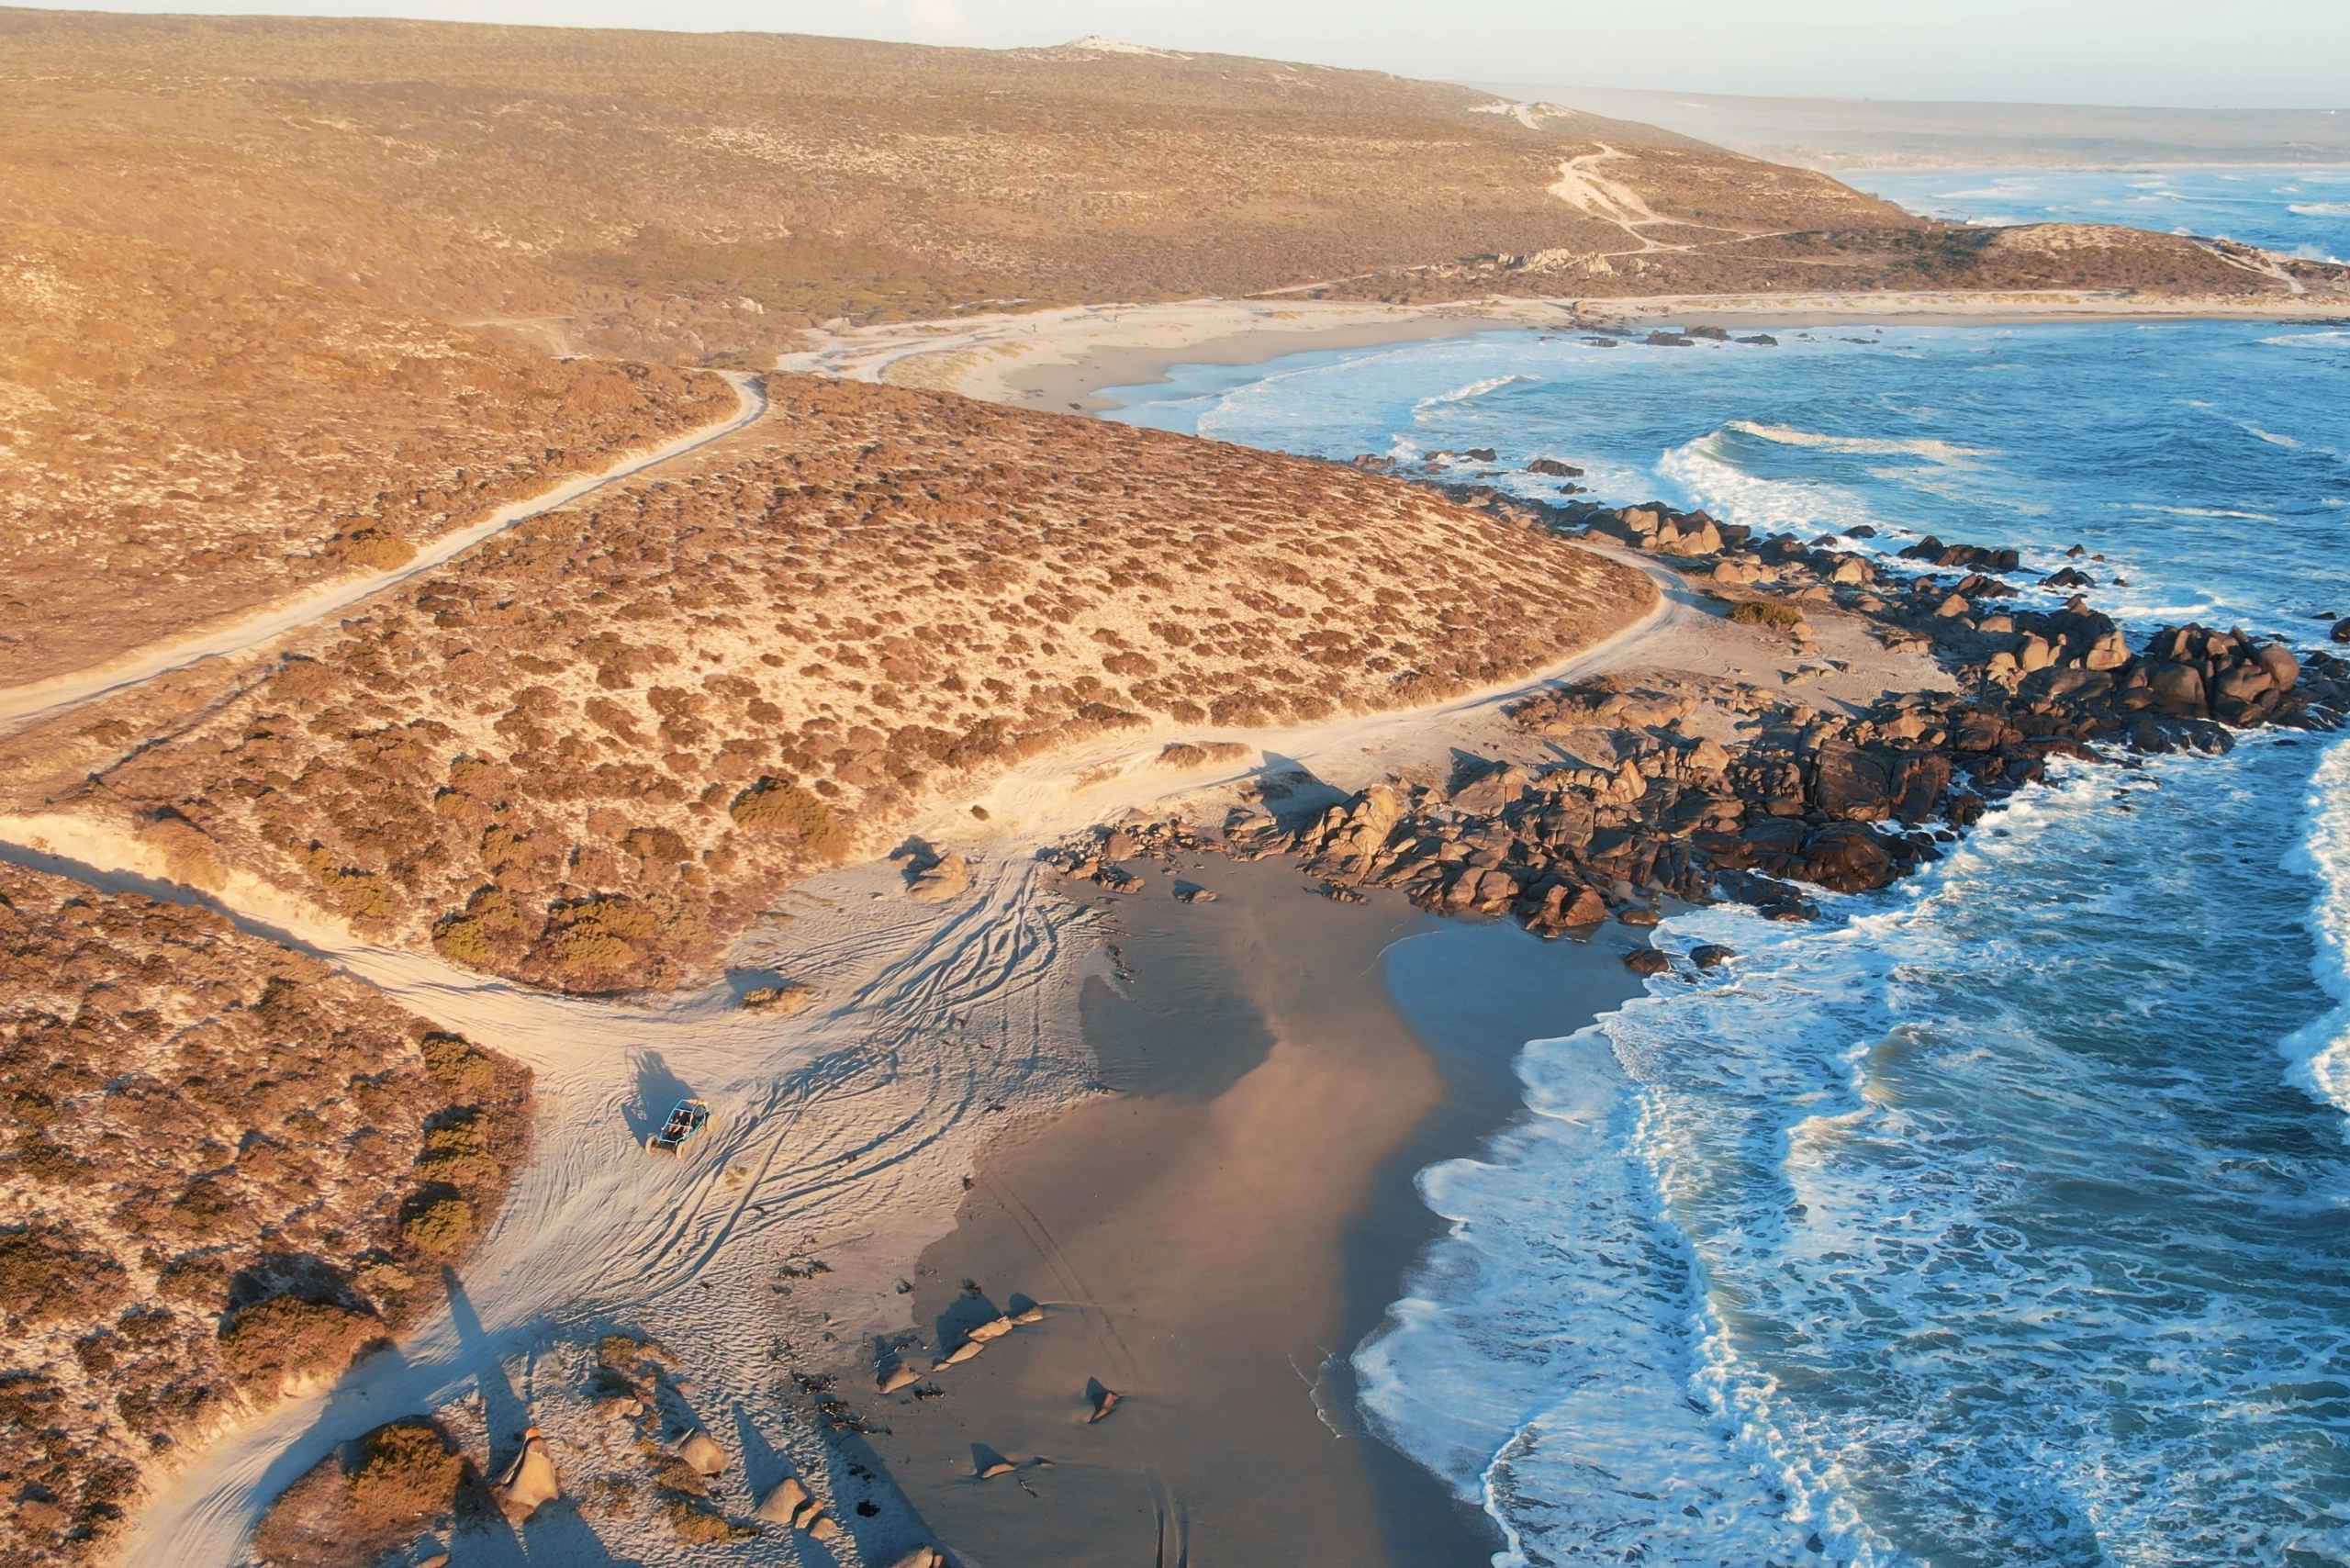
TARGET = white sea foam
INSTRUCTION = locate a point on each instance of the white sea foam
(2320, 1053)
(1710, 478)
(1465, 394)
(2319, 208)
(1547, 1359)
(1943, 452)
(2199, 511)
(2271, 437)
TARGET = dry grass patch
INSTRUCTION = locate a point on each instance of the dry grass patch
(216, 1149)
(587, 751)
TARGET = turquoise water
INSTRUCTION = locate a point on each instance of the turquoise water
(2000, 1218)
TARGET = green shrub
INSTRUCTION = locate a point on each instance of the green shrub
(441, 1229)
(1761, 612)
(778, 805)
(406, 1470)
(696, 1524)
(286, 1337)
(46, 1272)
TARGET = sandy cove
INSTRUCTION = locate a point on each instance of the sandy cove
(851, 1127)
(1062, 359)
(843, 1135)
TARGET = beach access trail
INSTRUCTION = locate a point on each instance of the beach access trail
(847, 1128)
(247, 633)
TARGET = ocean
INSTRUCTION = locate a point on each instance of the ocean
(1999, 1218)
(2301, 211)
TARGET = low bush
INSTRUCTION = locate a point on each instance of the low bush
(1763, 613)
(273, 1342)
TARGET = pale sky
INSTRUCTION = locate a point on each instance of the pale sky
(2190, 53)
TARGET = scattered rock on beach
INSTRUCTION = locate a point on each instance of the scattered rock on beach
(1110, 878)
(1712, 956)
(1640, 914)
(963, 1352)
(701, 1454)
(530, 1482)
(783, 1505)
(1104, 1400)
(950, 878)
(1647, 961)
(789, 999)
(920, 1557)
(895, 1377)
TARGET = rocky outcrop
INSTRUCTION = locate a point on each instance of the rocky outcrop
(1637, 805)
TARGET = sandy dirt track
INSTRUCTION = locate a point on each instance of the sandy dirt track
(247, 633)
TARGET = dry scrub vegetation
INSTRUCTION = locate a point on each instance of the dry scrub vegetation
(229, 249)
(685, 195)
(370, 1498)
(636, 192)
(180, 441)
(585, 751)
(227, 1169)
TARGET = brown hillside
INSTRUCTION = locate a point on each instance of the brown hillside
(180, 440)
(233, 249)
(227, 1169)
(695, 194)
(587, 752)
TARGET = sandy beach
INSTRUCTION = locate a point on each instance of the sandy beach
(1063, 359)
(1213, 1239)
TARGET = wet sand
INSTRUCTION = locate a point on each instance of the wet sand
(1213, 1238)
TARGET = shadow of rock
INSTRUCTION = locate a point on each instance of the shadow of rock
(965, 1313)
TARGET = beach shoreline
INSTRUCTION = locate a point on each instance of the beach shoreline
(1064, 360)
(1215, 1237)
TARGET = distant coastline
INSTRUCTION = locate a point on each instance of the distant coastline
(1061, 360)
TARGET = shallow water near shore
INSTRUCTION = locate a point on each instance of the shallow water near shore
(1997, 1218)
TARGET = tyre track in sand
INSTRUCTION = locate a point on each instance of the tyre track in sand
(819, 1122)
(848, 1125)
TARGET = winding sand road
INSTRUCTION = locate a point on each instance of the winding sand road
(847, 1127)
(249, 633)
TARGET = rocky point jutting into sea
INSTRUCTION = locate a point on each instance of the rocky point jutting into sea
(1644, 801)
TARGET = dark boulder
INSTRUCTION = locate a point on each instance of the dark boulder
(2283, 668)
(1846, 857)
(1862, 784)
(1647, 961)
(1712, 956)
(2177, 690)
(1771, 900)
